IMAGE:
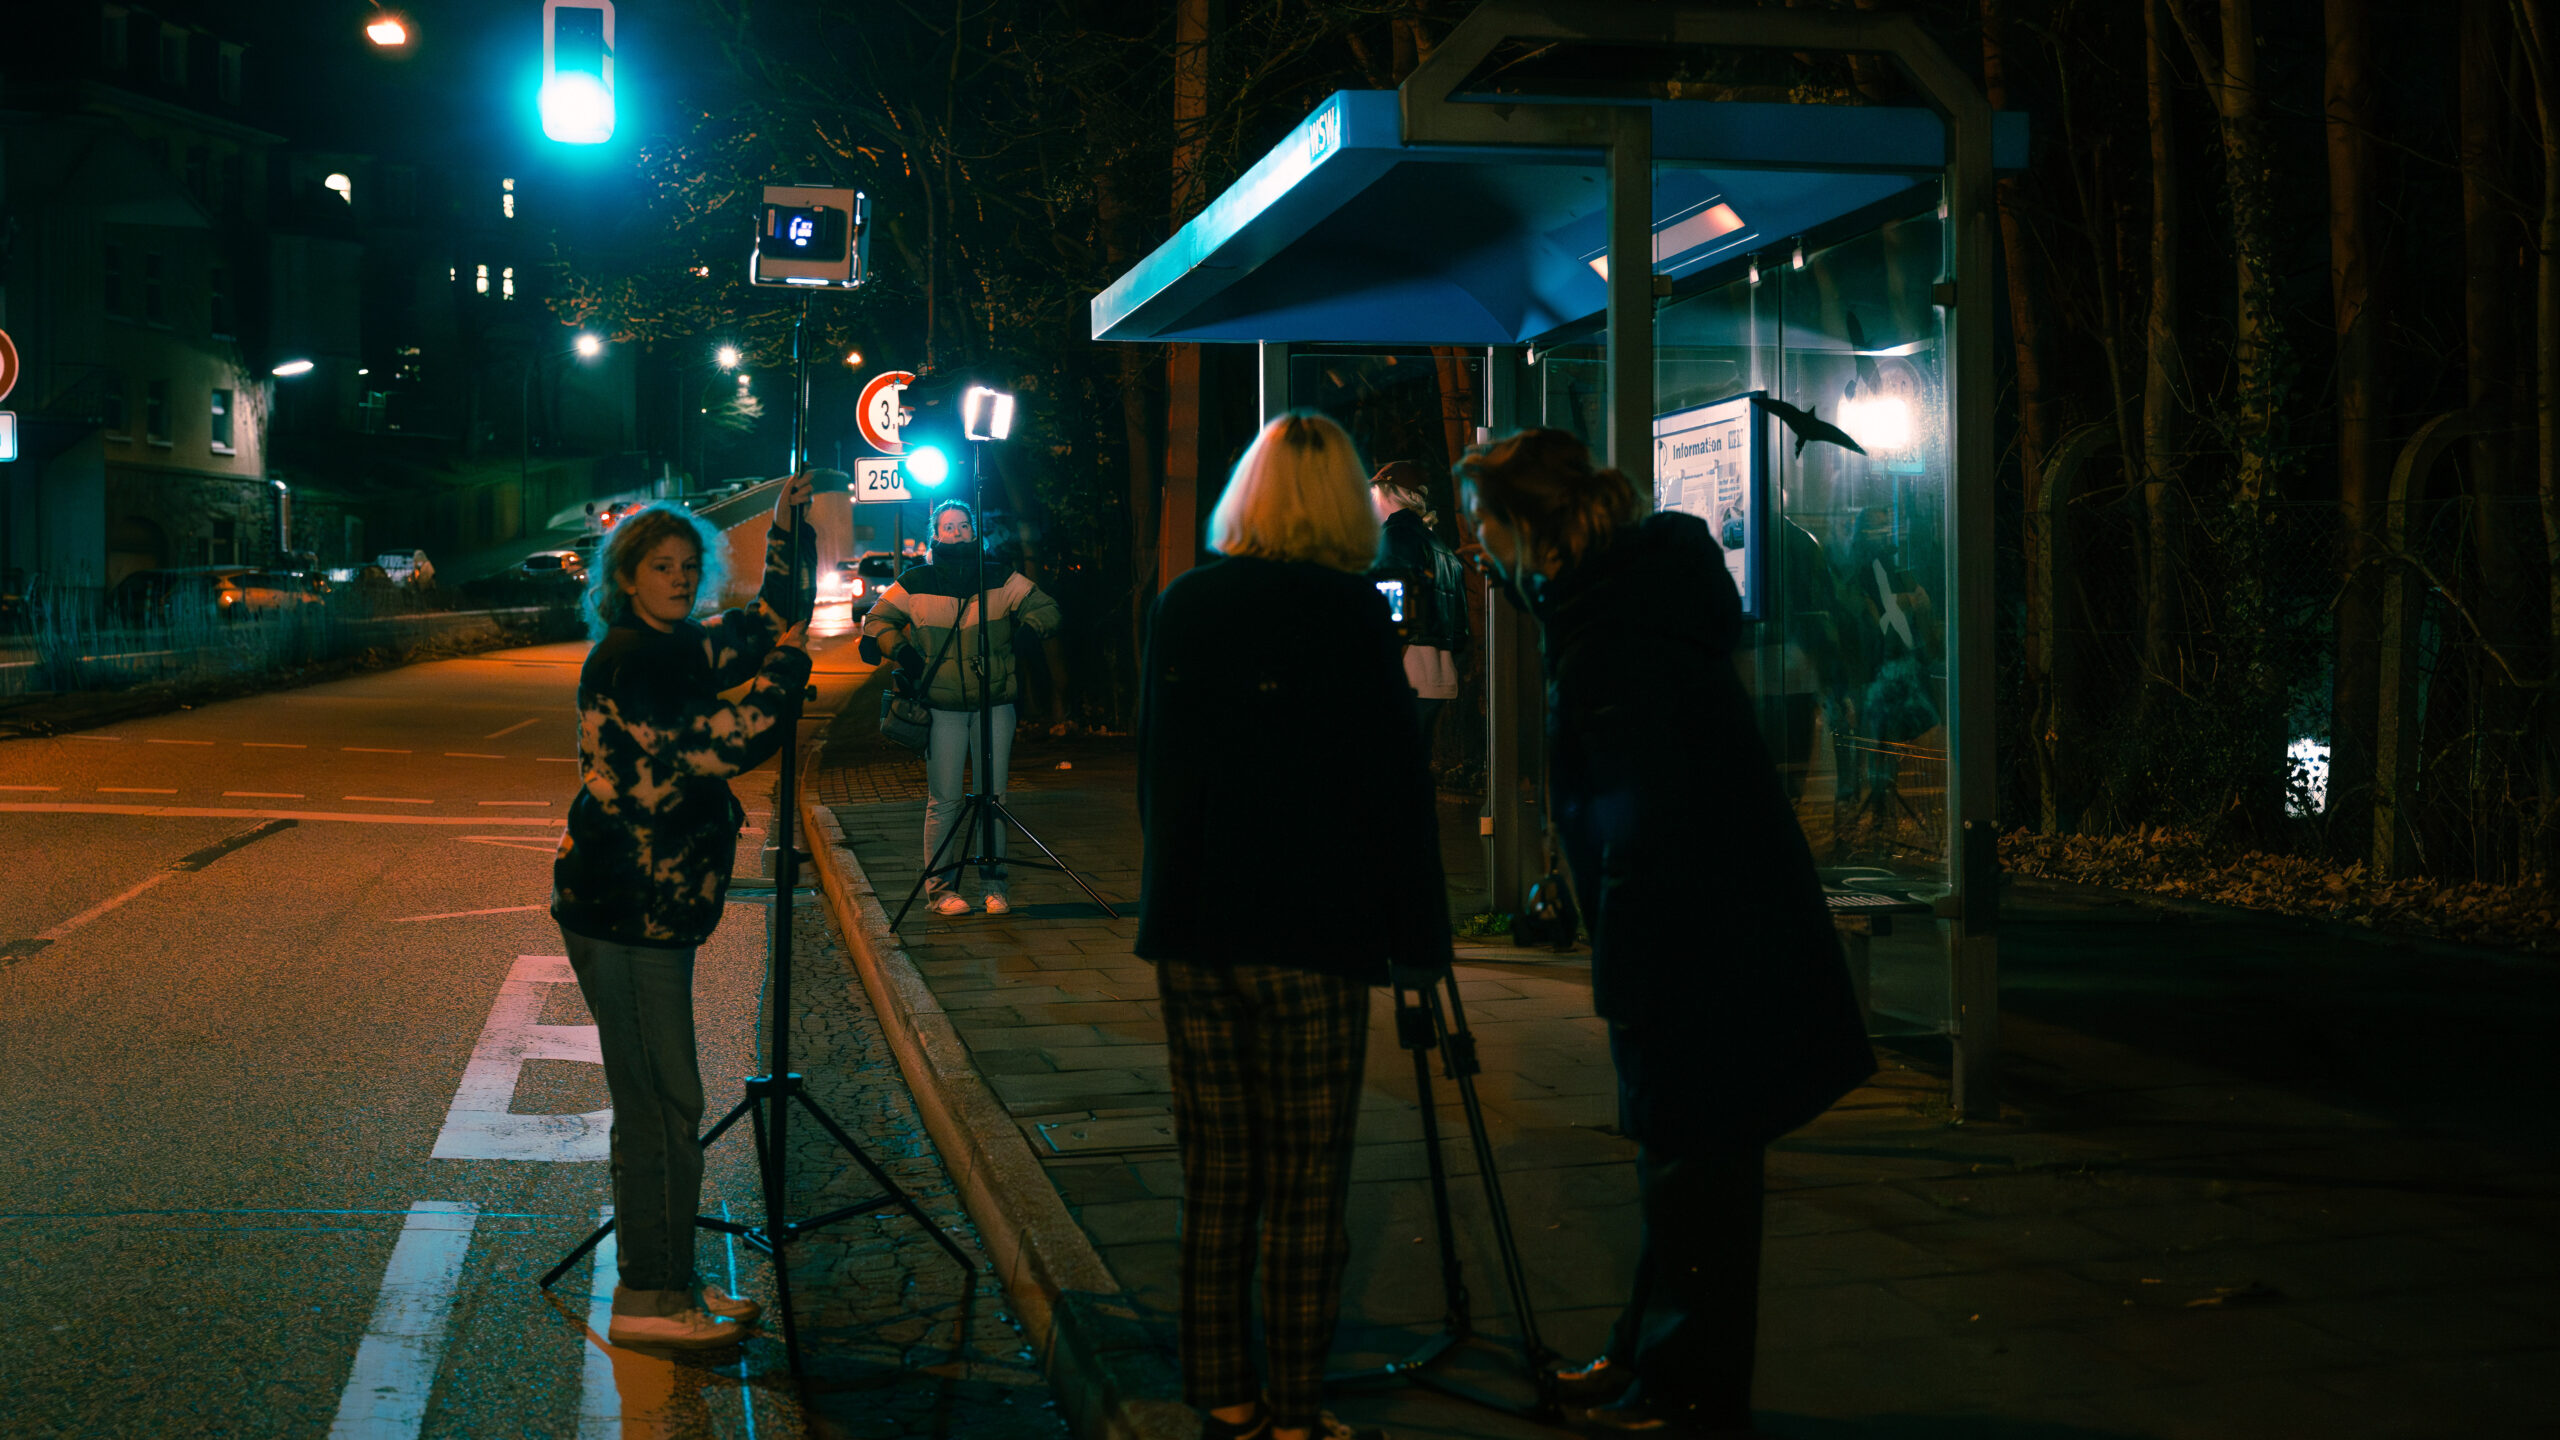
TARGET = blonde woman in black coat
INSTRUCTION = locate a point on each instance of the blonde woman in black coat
(1291, 857)
(1731, 1019)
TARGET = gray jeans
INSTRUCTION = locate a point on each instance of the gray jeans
(955, 744)
(642, 999)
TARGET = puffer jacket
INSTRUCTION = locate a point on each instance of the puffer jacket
(653, 829)
(927, 601)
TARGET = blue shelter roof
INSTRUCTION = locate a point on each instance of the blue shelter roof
(1344, 233)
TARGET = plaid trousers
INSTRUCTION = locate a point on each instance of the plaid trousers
(1266, 1063)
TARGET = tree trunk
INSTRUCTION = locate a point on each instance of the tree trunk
(1185, 464)
(2537, 19)
(2363, 459)
(2047, 705)
(2164, 409)
(2499, 502)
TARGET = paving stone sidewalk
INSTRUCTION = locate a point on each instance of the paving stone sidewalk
(2143, 1246)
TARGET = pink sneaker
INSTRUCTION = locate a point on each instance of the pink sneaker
(998, 905)
(949, 903)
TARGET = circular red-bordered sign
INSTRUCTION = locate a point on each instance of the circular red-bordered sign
(8, 365)
(877, 413)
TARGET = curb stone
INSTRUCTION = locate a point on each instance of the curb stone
(1111, 1380)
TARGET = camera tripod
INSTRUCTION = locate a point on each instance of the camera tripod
(1424, 1024)
(983, 815)
(766, 1105)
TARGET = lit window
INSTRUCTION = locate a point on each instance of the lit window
(222, 422)
(345, 188)
(507, 283)
(452, 273)
(507, 198)
(483, 284)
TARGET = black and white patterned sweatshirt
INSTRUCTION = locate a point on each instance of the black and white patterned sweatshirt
(654, 830)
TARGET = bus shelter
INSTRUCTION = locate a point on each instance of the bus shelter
(1670, 279)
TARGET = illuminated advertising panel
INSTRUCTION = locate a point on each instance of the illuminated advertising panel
(1712, 461)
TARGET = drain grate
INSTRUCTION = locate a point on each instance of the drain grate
(1094, 1137)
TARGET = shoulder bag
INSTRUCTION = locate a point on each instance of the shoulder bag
(905, 718)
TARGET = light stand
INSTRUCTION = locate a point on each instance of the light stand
(987, 416)
(1423, 1024)
(769, 1097)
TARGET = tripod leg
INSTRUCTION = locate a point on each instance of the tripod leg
(552, 1276)
(1453, 1282)
(1460, 1047)
(892, 1188)
(934, 865)
(1059, 865)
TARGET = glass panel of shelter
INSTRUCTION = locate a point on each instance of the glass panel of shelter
(1849, 661)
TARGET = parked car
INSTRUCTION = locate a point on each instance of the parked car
(554, 567)
(407, 567)
(229, 591)
(858, 582)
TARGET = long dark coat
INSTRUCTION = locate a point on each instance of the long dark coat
(1713, 956)
(1281, 777)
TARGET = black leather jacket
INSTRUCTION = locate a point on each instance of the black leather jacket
(1435, 585)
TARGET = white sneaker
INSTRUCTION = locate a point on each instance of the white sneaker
(684, 1330)
(726, 1306)
(998, 905)
(949, 903)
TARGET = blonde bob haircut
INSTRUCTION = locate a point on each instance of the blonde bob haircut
(1299, 493)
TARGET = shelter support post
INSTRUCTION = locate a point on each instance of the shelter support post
(1275, 380)
(1969, 297)
(1514, 691)
(1630, 361)
(1178, 518)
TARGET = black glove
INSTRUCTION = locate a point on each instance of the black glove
(910, 659)
(869, 649)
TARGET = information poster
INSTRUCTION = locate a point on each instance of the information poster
(1712, 462)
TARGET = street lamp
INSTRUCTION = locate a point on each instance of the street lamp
(386, 31)
(727, 355)
(853, 358)
(291, 368)
(587, 346)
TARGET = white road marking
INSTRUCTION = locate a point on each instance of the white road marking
(132, 790)
(273, 745)
(263, 794)
(101, 908)
(458, 914)
(516, 802)
(479, 1127)
(156, 741)
(92, 737)
(209, 812)
(370, 750)
(40, 788)
(386, 1394)
(514, 842)
(599, 1399)
(510, 730)
(470, 755)
(385, 800)
(557, 759)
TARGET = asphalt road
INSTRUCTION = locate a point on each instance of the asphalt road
(225, 1070)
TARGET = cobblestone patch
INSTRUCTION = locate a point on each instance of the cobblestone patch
(899, 1342)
